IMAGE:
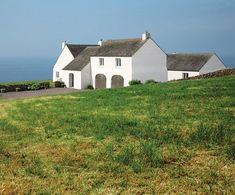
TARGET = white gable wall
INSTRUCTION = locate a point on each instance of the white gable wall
(109, 69)
(175, 75)
(212, 65)
(64, 59)
(149, 62)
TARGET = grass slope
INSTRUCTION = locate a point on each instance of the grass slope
(176, 137)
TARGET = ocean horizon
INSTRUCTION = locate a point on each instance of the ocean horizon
(40, 68)
(24, 68)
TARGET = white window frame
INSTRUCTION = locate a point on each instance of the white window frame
(57, 74)
(185, 75)
(101, 61)
(118, 62)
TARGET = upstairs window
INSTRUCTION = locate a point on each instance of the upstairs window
(118, 62)
(57, 74)
(185, 75)
(101, 61)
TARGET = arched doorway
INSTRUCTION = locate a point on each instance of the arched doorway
(71, 80)
(100, 81)
(117, 81)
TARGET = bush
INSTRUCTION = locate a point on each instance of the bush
(35, 86)
(135, 82)
(44, 85)
(59, 84)
(90, 87)
(151, 81)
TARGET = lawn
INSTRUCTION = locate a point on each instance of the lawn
(176, 137)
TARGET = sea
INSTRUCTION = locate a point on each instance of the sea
(26, 68)
(40, 68)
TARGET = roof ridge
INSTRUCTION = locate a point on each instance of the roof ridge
(196, 53)
(120, 40)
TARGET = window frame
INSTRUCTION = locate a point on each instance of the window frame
(57, 74)
(185, 75)
(101, 61)
(118, 62)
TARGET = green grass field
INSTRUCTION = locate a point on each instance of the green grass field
(176, 137)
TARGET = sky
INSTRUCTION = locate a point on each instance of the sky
(32, 28)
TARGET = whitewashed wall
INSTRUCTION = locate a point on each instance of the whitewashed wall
(212, 65)
(109, 69)
(77, 78)
(64, 59)
(86, 76)
(175, 75)
(149, 62)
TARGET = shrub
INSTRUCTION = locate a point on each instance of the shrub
(59, 84)
(90, 87)
(45, 85)
(135, 82)
(35, 86)
(151, 81)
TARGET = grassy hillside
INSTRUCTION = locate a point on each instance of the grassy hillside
(156, 138)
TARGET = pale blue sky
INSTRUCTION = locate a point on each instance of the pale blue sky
(37, 28)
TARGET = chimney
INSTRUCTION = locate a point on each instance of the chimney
(63, 44)
(100, 43)
(145, 36)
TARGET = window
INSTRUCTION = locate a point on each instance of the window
(57, 74)
(185, 75)
(118, 62)
(101, 61)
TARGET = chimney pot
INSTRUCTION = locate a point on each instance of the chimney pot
(100, 43)
(145, 36)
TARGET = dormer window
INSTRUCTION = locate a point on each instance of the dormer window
(101, 61)
(118, 62)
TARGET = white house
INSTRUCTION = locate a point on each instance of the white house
(114, 63)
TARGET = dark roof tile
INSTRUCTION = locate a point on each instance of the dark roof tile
(187, 62)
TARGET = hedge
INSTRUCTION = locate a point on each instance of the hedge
(23, 87)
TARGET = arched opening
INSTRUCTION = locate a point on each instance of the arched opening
(100, 81)
(71, 80)
(117, 81)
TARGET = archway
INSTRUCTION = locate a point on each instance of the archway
(100, 81)
(117, 81)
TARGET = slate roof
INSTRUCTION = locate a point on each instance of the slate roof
(120, 48)
(82, 59)
(110, 48)
(76, 49)
(187, 62)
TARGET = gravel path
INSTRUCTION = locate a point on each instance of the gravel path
(43, 92)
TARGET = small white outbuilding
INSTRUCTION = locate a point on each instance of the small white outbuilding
(182, 66)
